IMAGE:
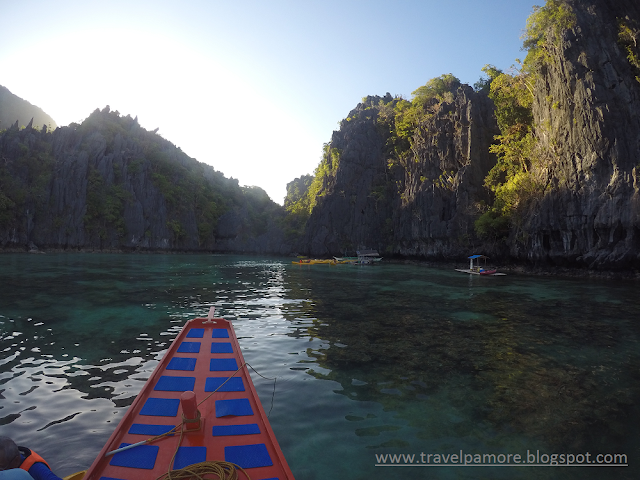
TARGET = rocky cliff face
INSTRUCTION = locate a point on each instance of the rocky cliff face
(421, 204)
(109, 184)
(443, 185)
(586, 108)
(349, 213)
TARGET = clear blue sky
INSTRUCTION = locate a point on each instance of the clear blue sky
(253, 88)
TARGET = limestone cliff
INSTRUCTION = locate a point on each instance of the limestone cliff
(419, 202)
(110, 184)
(586, 109)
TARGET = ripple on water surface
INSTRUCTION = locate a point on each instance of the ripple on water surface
(368, 360)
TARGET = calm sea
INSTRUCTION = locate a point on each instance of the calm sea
(370, 361)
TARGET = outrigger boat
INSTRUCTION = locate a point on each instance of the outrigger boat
(477, 269)
(198, 414)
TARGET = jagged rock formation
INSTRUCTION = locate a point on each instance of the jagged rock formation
(14, 109)
(110, 184)
(348, 213)
(586, 108)
(443, 185)
(422, 204)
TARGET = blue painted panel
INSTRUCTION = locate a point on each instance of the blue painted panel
(181, 363)
(189, 347)
(195, 333)
(219, 333)
(223, 365)
(233, 385)
(142, 456)
(221, 347)
(175, 384)
(248, 456)
(161, 407)
(227, 430)
(148, 429)
(188, 456)
(239, 406)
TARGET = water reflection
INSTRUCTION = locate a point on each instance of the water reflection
(506, 365)
(389, 358)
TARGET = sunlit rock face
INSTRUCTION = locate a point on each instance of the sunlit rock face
(445, 182)
(586, 112)
(423, 205)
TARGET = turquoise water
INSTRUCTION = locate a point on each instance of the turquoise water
(384, 359)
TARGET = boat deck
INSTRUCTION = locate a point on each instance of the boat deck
(234, 427)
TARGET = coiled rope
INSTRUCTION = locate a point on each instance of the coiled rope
(197, 471)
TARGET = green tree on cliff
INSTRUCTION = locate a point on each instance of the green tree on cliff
(484, 84)
(512, 179)
(436, 88)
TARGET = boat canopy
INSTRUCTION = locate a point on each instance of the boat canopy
(473, 257)
(367, 253)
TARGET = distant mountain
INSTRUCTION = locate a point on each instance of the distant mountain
(109, 184)
(14, 108)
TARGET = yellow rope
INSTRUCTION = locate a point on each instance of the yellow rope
(197, 471)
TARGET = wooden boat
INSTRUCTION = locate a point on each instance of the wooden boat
(204, 380)
(477, 269)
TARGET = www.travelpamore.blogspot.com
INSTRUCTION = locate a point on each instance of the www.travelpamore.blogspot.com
(529, 459)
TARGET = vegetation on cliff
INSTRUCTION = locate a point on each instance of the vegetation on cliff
(629, 40)
(393, 168)
(297, 204)
(397, 120)
(393, 129)
(517, 179)
(24, 180)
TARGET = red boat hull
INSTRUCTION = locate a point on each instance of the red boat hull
(234, 427)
